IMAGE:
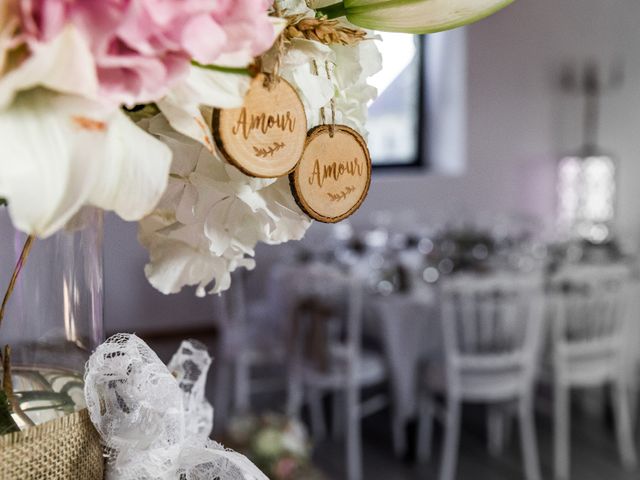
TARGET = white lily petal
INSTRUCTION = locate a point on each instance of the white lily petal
(134, 172)
(419, 16)
(47, 171)
(64, 64)
(60, 152)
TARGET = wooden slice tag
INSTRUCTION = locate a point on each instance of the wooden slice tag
(265, 137)
(333, 176)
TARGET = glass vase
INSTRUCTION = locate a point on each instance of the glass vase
(53, 318)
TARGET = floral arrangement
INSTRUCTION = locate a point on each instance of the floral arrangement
(108, 104)
(278, 445)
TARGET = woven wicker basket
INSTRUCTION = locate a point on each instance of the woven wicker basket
(67, 448)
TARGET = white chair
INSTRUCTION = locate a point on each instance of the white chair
(590, 348)
(492, 326)
(243, 346)
(347, 368)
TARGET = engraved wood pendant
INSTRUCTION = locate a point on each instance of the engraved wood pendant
(332, 179)
(266, 136)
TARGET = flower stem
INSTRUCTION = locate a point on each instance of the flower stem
(7, 386)
(16, 271)
(333, 11)
(218, 68)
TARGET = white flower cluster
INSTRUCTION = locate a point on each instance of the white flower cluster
(212, 215)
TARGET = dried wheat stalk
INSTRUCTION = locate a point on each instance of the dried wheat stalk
(323, 30)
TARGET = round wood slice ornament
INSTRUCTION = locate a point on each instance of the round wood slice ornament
(266, 136)
(333, 177)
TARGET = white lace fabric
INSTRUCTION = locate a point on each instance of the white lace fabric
(154, 420)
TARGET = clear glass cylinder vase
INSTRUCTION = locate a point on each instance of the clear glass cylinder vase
(53, 319)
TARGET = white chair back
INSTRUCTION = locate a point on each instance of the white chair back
(492, 326)
(590, 322)
(340, 294)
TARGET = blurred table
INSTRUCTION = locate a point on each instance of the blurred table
(407, 325)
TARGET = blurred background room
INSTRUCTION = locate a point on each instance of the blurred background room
(478, 317)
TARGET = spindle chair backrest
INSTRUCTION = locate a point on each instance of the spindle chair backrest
(590, 322)
(492, 327)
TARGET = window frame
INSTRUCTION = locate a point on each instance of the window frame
(421, 160)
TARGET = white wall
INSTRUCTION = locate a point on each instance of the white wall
(518, 123)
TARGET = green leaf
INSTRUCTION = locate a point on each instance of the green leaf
(7, 425)
(218, 68)
(413, 16)
(3, 202)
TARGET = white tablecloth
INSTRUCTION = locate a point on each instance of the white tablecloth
(408, 328)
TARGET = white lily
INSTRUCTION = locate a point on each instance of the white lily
(61, 152)
(65, 65)
(413, 16)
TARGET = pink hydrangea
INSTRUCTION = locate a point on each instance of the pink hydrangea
(141, 47)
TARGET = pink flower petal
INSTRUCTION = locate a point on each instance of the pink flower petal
(142, 48)
(203, 38)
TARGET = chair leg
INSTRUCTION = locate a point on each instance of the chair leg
(495, 430)
(318, 424)
(337, 415)
(399, 433)
(624, 429)
(354, 439)
(633, 404)
(241, 385)
(452, 437)
(425, 429)
(528, 440)
(295, 395)
(222, 401)
(561, 431)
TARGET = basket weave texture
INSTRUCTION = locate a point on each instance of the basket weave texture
(67, 448)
